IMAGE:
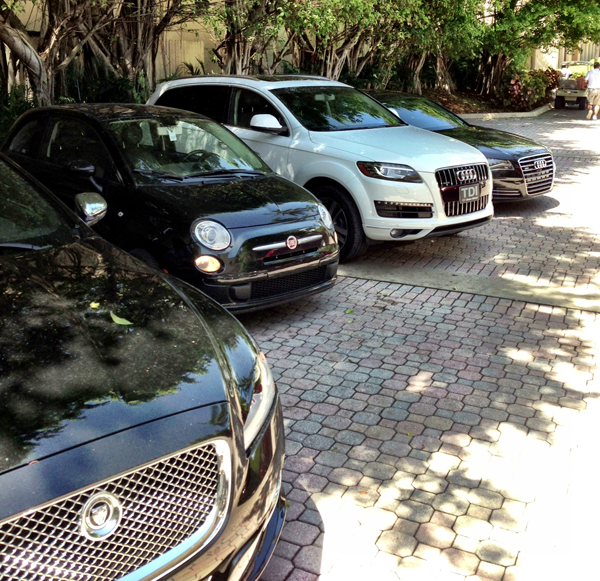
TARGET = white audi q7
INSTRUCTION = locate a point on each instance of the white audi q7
(379, 178)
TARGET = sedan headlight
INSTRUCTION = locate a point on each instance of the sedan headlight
(389, 171)
(211, 234)
(262, 400)
(500, 164)
(325, 216)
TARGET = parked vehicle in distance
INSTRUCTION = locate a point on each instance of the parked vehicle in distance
(186, 195)
(521, 168)
(573, 91)
(141, 433)
(379, 178)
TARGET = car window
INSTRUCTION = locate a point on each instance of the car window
(26, 217)
(325, 108)
(209, 100)
(71, 140)
(423, 113)
(26, 141)
(247, 104)
(180, 147)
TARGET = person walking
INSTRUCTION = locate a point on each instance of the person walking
(593, 85)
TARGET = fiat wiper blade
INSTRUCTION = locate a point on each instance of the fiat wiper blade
(20, 246)
(159, 174)
(221, 172)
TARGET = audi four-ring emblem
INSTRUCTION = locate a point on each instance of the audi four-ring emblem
(540, 164)
(466, 175)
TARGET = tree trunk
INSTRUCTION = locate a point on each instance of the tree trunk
(443, 80)
(416, 64)
(37, 69)
(491, 73)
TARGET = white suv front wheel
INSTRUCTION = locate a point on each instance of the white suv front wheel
(346, 219)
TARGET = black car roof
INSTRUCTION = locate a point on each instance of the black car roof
(105, 112)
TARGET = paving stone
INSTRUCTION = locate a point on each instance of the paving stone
(309, 559)
(435, 536)
(300, 533)
(414, 511)
(345, 476)
(460, 562)
(430, 483)
(396, 543)
(278, 569)
(473, 528)
(496, 553)
(451, 504)
(485, 498)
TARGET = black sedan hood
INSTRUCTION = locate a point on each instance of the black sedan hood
(67, 353)
(494, 143)
(234, 202)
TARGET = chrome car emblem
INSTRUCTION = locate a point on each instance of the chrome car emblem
(540, 164)
(466, 175)
(100, 516)
(291, 242)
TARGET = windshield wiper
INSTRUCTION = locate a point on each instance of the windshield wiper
(20, 246)
(159, 173)
(221, 172)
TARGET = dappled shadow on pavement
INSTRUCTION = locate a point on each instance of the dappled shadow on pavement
(433, 431)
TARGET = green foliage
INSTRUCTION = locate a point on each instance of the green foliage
(12, 107)
(524, 91)
(93, 85)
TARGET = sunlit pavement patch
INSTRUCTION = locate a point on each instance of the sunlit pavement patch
(438, 434)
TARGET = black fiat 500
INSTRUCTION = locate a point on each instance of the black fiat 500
(185, 195)
(141, 433)
(521, 168)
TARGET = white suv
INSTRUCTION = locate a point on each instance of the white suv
(380, 178)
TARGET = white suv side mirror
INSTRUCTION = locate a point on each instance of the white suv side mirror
(267, 124)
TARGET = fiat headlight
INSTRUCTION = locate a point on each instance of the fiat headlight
(325, 216)
(500, 164)
(211, 234)
(389, 171)
(263, 396)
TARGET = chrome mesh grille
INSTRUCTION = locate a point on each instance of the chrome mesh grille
(458, 209)
(448, 177)
(164, 503)
(538, 171)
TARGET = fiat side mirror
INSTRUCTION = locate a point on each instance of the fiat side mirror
(91, 207)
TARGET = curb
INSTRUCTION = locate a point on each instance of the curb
(516, 114)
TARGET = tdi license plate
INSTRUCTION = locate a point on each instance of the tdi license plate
(468, 193)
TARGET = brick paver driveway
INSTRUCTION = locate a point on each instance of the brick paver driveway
(443, 434)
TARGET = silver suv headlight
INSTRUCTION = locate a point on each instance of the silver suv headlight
(389, 171)
(211, 234)
(263, 397)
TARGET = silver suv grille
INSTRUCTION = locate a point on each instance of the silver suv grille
(538, 171)
(458, 209)
(448, 177)
(164, 503)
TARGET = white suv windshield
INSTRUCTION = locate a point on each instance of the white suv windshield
(335, 108)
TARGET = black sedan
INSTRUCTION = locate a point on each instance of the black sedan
(184, 195)
(521, 168)
(141, 432)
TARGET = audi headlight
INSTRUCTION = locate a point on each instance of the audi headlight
(500, 164)
(263, 396)
(325, 217)
(389, 171)
(211, 234)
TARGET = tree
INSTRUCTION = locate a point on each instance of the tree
(514, 28)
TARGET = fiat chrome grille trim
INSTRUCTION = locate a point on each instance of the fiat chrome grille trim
(538, 171)
(165, 503)
(280, 245)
